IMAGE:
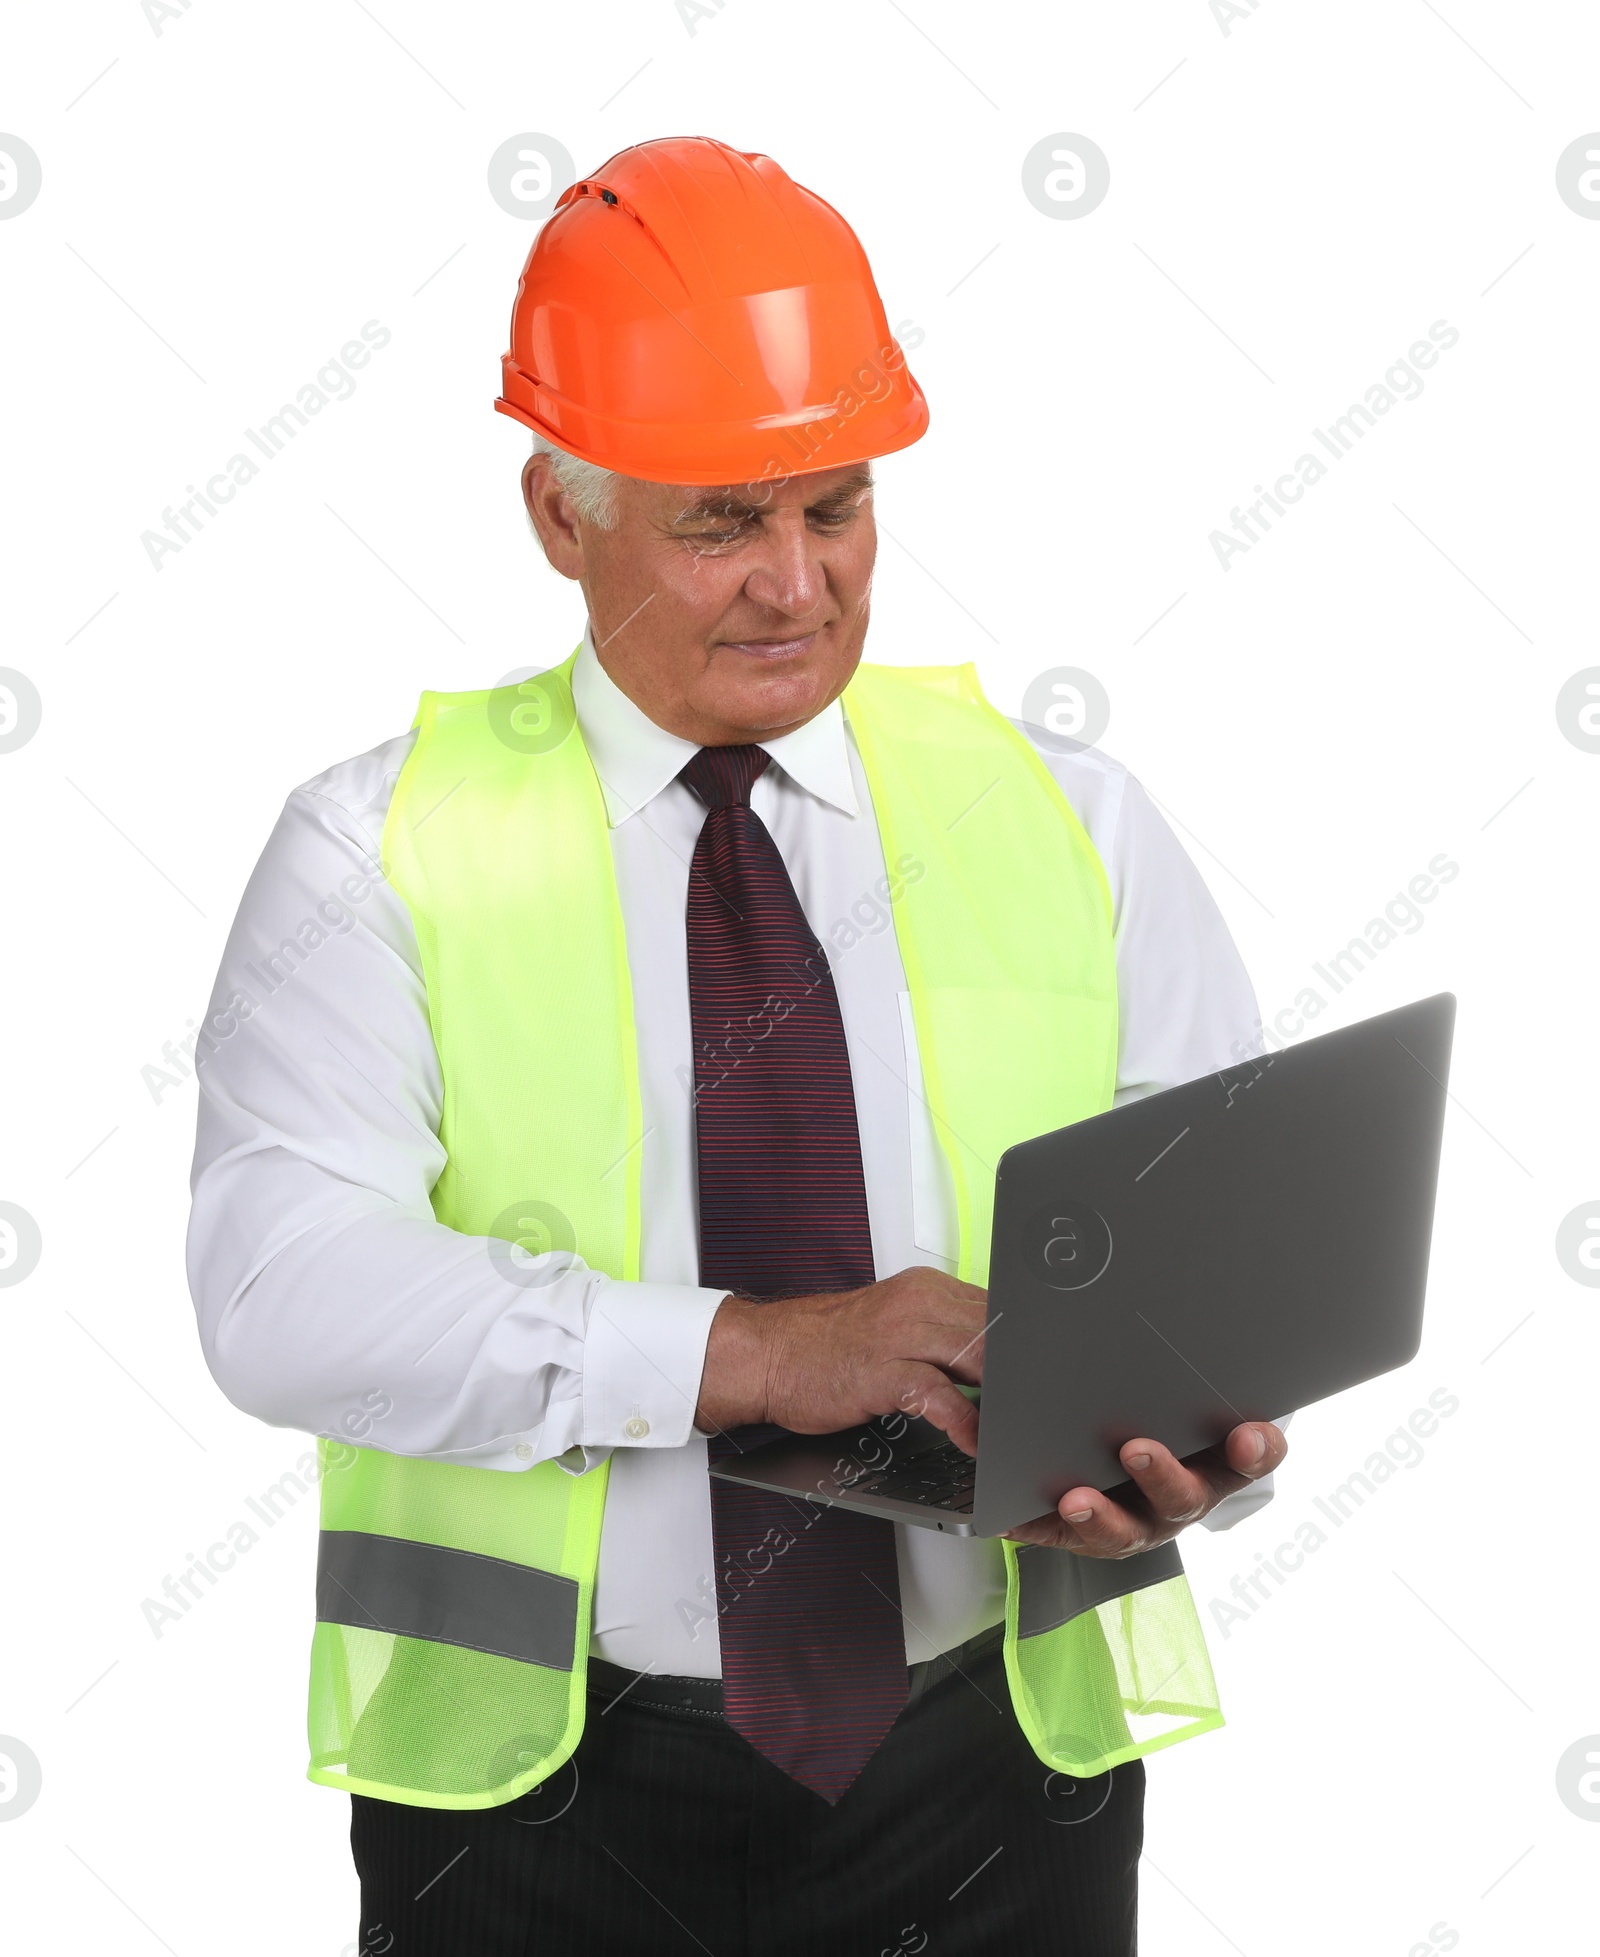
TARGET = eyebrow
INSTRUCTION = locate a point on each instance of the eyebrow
(725, 502)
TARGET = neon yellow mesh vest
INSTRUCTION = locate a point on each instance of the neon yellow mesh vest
(453, 1603)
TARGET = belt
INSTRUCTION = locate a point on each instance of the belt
(702, 1697)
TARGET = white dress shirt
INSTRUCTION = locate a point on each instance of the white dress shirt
(329, 1298)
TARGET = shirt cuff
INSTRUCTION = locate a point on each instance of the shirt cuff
(643, 1354)
(1233, 1509)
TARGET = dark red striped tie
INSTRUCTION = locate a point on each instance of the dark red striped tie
(808, 1598)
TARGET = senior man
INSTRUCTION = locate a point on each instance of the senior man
(609, 1073)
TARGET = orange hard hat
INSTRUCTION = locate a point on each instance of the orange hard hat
(689, 314)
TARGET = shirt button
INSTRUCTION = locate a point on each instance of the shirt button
(523, 1451)
(636, 1428)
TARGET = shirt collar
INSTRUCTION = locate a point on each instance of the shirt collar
(635, 759)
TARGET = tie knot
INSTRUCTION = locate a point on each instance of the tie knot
(723, 776)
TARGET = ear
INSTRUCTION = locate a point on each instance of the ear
(551, 513)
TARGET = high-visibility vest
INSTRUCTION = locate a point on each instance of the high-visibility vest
(453, 1602)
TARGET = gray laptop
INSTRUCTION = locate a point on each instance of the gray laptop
(1228, 1250)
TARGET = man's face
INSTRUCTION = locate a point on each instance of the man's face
(726, 615)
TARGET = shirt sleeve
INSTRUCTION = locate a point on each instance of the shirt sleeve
(1185, 1003)
(329, 1298)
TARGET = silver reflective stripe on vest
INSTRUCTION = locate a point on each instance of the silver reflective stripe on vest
(448, 1596)
(1056, 1586)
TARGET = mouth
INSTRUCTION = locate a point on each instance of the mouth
(770, 648)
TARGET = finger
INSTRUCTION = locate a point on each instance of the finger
(1102, 1527)
(924, 1282)
(964, 1361)
(1175, 1490)
(1255, 1448)
(1048, 1531)
(950, 1336)
(956, 1287)
(1251, 1450)
(928, 1394)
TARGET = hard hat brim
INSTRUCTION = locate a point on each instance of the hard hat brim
(804, 441)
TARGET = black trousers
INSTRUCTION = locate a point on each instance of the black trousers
(667, 1833)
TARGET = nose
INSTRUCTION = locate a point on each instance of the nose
(788, 576)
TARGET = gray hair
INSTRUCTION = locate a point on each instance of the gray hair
(593, 490)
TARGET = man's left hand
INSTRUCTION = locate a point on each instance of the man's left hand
(1171, 1494)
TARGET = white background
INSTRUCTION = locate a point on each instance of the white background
(1293, 206)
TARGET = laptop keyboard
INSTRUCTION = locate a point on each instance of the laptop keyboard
(941, 1477)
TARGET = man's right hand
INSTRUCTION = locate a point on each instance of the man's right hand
(815, 1365)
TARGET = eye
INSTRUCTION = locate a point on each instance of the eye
(714, 534)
